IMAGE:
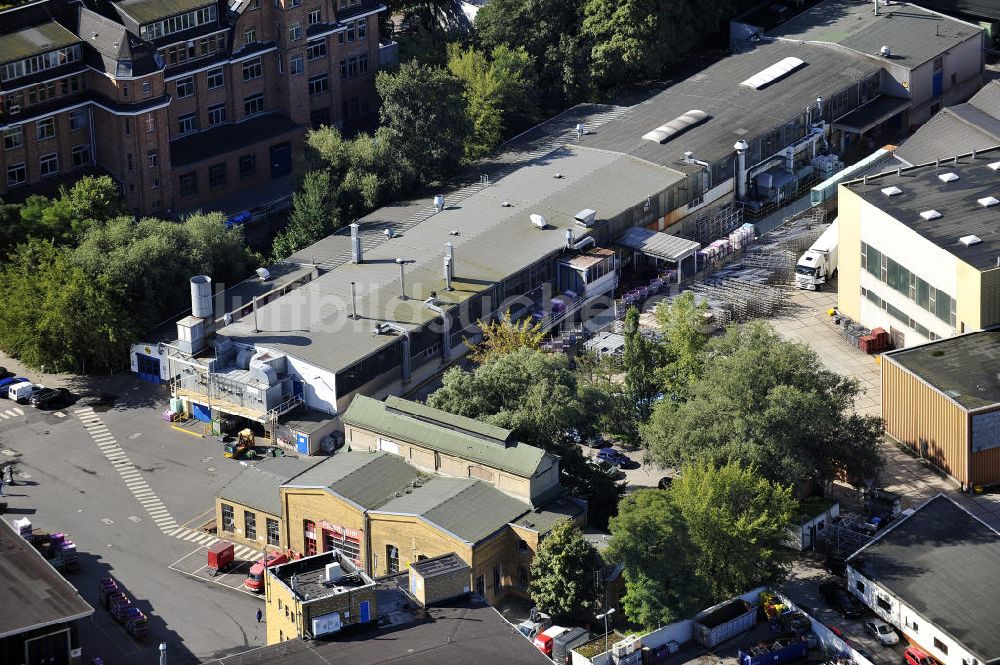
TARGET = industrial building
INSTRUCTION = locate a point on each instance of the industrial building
(942, 400)
(380, 308)
(956, 130)
(40, 611)
(935, 576)
(417, 483)
(191, 100)
(918, 249)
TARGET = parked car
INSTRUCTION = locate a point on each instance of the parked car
(882, 631)
(835, 594)
(5, 384)
(610, 469)
(914, 656)
(50, 398)
(612, 456)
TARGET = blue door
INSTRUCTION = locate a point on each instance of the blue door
(936, 86)
(200, 412)
(302, 444)
(148, 367)
(365, 617)
(297, 388)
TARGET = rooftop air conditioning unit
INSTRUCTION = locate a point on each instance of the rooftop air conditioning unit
(585, 216)
(538, 221)
(885, 52)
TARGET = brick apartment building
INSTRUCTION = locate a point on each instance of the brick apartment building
(181, 101)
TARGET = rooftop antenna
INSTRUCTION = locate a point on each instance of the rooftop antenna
(402, 279)
(354, 302)
(255, 328)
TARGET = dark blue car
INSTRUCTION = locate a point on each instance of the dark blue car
(8, 382)
(612, 456)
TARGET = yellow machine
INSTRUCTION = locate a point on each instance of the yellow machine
(244, 446)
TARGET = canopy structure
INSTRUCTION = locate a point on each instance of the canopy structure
(659, 245)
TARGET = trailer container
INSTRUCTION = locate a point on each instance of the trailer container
(562, 644)
(724, 621)
(775, 652)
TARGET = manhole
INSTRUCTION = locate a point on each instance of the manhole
(208, 459)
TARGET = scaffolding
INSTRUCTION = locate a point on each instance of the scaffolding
(844, 536)
(710, 224)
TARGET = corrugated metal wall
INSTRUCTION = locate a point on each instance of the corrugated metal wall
(989, 309)
(921, 417)
(986, 464)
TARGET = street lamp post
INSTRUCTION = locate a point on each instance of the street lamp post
(605, 617)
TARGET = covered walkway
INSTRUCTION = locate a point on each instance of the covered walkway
(660, 246)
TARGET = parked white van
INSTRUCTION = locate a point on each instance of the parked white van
(22, 391)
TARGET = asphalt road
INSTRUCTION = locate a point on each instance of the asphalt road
(119, 483)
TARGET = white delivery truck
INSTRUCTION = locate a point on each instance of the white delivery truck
(818, 265)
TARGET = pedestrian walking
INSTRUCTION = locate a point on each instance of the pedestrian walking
(260, 614)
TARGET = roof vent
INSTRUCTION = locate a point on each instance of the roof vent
(680, 124)
(892, 191)
(948, 177)
(969, 241)
(885, 52)
(988, 201)
(930, 214)
(585, 216)
(538, 221)
(995, 166)
(776, 71)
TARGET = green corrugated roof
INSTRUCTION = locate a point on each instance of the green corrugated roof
(257, 485)
(470, 509)
(34, 41)
(147, 11)
(367, 479)
(447, 433)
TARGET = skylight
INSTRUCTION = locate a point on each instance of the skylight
(930, 214)
(948, 177)
(773, 73)
(969, 241)
(995, 166)
(988, 201)
(681, 123)
(892, 191)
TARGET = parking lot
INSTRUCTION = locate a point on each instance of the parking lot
(195, 564)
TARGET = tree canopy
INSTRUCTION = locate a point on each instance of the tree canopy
(562, 573)
(313, 215)
(504, 336)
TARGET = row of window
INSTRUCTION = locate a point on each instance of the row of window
(13, 138)
(354, 66)
(178, 23)
(900, 279)
(217, 177)
(192, 50)
(249, 524)
(898, 314)
(39, 63)
(356, 30)
(44, 92)
(187, 123)
(48, 165)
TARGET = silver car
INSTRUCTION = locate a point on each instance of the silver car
(882, 631)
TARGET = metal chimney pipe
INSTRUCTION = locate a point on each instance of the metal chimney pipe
(402, 278)
(447, 274)
(354, 302)
(357, 254)
(256, 329)
(570, 238)
(819, 103)
(741, 147)
(163, 653)
(876, 7)
(449, 251)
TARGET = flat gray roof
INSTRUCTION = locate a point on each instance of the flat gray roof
(34, 594)
(368, 479)
(657, 244)
(35, 40)
(945, 564)
(736, 111)
(914, 35)
(963, 367)
(957, 201)
(494, 242)
(257, 485)
(147, 11)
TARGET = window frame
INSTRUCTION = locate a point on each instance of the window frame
(81, 150)
(217, 176)
(187, 185)
(8, 143)
(296, 65)
(216, 114)
(316, 50)
(245, 171)
(249, 524)
(318, 85)
(253, 69)
(14, 168)
(51, 158)
(78, 119)
(50, 124)
(185, 87)
(223, 507)
(250, 102)
(187, 123)
(211, 75)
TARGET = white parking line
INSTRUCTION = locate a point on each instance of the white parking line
(18, 411)
(10, 413)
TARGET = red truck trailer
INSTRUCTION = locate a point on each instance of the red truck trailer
(221, 555)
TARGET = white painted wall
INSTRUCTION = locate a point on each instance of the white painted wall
(916, 629)
(319, 389)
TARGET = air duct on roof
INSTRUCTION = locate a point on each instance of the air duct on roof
(988, 201)
(585, 216)
(776, 71)
(538, 221)
(357, 254)
(678, 125)
(892, 191)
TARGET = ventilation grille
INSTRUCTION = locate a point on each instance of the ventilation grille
(971, 240)
(988, 201)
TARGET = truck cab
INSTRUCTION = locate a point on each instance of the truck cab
(819, 263)
(255, 578)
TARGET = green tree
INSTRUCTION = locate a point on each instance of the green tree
(640, 359)
(562, 573)
(65, 218)
(768, 404)
(504, 336)
(313, 216)
(649, 537)
(681, 321)
(737, 520)
(423, 115)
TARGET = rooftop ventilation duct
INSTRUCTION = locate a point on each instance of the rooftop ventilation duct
(948, 177)
(930, 214)
(264, 274)
(357, 254)
(773, 73)
(892, 191)
(970, 240)
(538, 221)
(201, 296)
(585, 216)
(988, 201)
(885, 52)
(678, 125)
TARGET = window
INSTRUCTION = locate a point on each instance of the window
(481, 585)
(152, 159)
(497, 579)
(272, 532)
(295, 32)
(46, 129)
(16, 175)
(348, 541)
(128, 127)
(251, 69)
(217, 175)
(314, 17)
(155, 184)
(40, 63)
(340, 37)
(318, 85)
(249, 517)
(249, 36)
(253, 105)
(124, 89)
(873, 260)
(392, 559)
(187, 123)
(343, 69)
(883, 603)
(248, 166)
(350, 32)
(189, 187)
(77, 119)
(216, 114)
(522, 545)
(185, 87)
(177, 23)
(860, 586)
(941, 646)
(316, 50)
(147, 88)
(130, 163)
(48, 164)
(81, 155)
(362, 63)
(294, 3)
(216, 78)
(228, 523)
(297, 66)
(13, 138)
(362, 29)
(351, 67)
(309, 536)
(910, 623)
(522, 577)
